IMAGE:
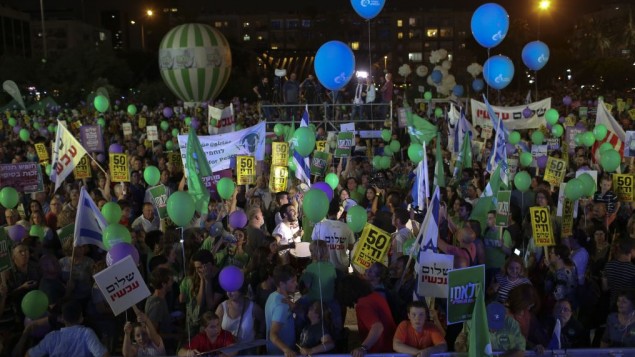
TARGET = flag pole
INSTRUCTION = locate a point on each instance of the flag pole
(97, 163)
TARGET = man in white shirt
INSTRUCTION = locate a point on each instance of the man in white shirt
(338, 237)
(288, 232)
(147, 221)
(402, 239)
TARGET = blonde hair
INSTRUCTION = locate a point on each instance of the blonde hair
(319, 250)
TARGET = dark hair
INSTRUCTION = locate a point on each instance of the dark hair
(156, 261)
(203, 256)
(402, 215)
(467, 206)
(351, 288)
(523, 297)
(72, 313)
(475, 226)
(334, 206)
(280, 194)
(283, 210)
(625, 245)
(629, 294)
(564, 253)
(160, 276)
(418, 304)
(282, 274)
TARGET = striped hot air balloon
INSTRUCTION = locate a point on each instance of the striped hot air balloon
(195, 62)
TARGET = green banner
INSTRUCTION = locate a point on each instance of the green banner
(463, 287)
(319, 163)
(502, 208)
(160, 199)
(5, 251)
(66, 232)
(344, 144)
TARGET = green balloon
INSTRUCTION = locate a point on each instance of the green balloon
(385, 162)
(537, 137)
(588, 184)
(600, 132)
(213, 122)
(522, 180)
(427, 95)
(169, 145)
(415, 153)
(306, 141)
(386, 135)
(356, 218)
(101, 122)
(225, 188)
(37, 231)
(116, 233)
(557, 130)
(24, 135)
(388, 150)
(577, 139)
(35, 304)
(181, 208)
(13, 122)
(610, 160)
(101, 103)
(188, 121)
(605, 146)
(438, 112)
(175, 132)
(51, 128)
(238, 126)
(312, 128)
(552, 116)
(356, 196)
(574, 189)
(588, 139)
(526, 159)
(165, 125)
(291, 164)
(152, 175)
(278, 129)
(132, 110)
(47, 169)
(36, 125)
(9, 197)
(514, 137)
(361, 189)
(376, 162)
(111, 212)
(315, 205)
(332, 180)
(395, 146)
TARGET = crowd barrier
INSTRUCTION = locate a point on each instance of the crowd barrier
(599, 352)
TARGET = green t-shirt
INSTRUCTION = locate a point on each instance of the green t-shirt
(494, 255)
(319, 274)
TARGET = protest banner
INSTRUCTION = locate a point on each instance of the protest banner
(502, 208)
(246, 166)
(66, 232)
(555, 171)
(91, 138)
(127, 129)
(541, 226)
(513, 118)
(432, 274)
(24, 176)
(119, 170)
(141, 123)
(42, 153)
(174, 158)
(279, 154)
(152, 132)
(372, 247)
(122, 285)
(623, 185)
(567, 217)
(344, 144)
(6, 246)
(463, 287)
(82, 169)
(159, 196)
(278, 178)
(321, 145)
(319, 163)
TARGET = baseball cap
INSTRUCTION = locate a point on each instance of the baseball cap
(496, 315)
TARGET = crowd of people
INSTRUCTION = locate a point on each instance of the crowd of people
(298, 302)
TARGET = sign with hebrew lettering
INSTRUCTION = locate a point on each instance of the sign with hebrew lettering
(432, 274)
(122, 285)
(371, 248)
(463, 285)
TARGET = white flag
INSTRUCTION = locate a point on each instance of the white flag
(67, 153)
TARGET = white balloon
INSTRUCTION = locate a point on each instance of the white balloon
(446, 64)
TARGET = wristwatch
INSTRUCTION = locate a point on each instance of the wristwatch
(364, 348)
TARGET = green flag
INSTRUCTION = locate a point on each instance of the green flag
(466, 152)
(479, 337)
(439, 174)
(420, 130)
(197, 168)
(487, 200)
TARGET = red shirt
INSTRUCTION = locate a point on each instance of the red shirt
(201, 343)
(430, 336)
(369, 310)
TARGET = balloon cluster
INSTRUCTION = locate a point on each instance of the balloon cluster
(581, 186)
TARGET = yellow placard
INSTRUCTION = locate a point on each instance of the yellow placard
(278, 178)
(555, 171)
(372, 247)
(175, 159)
(246, 167)
(82, 169)
(142, 122)
(27, 120)
(623, 186)
(541, 226)
(569, 120)
(609, 107)
(42, 154)
(567, 217)
(320, 145)
(279, 154)
(631, 113)
(147, 144)
(621, 105)
(119, 170)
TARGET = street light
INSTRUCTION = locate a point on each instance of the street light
(149, 13)
(385, 63)
(543, 6)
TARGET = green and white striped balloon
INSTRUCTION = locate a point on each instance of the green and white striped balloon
(195, 62)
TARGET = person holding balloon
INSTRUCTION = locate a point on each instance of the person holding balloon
(148, 341)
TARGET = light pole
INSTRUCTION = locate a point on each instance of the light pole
(543, 6)
(385, 64)
(43, 29)
(149, 13)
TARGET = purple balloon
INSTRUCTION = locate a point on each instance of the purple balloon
(121, 250)
(101, 158)
(238, 219)
(195, 124)
(117, 102)
(268, 149)
(561, 120)
(567, 100)
(44, 131)
(17, 232)
(511, 149)
(542, 161)
(579, 125)
(168, 112)
(548, 126)
(115, 149)
(324, 187)
(16, 129)
(527, 113)
(231, 278)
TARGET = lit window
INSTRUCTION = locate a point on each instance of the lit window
(274, 47)
(246, 38)
(411, 35)
(400, 35)
(225, 24)
(399, 23)
(432, 32)
(102, 36)
(415, 56)
(412, 21)
(174, 9)
(355, 46)
(259, 38)
(245, 24)
(218, 24)
(446, 32)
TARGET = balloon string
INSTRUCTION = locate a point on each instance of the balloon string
(187, 323)
(487, 64)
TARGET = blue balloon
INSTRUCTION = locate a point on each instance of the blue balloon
(490, 23)
(436, 76)
(535, 55)
(368, 8)
(334, 65)
(498, 71)
(457, 90)
(478, 84)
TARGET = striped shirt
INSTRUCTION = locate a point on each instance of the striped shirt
(620, 276)
(610, 198)
(506, 285)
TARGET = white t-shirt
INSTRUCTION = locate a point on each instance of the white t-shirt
(286, 234)
(338, 237)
